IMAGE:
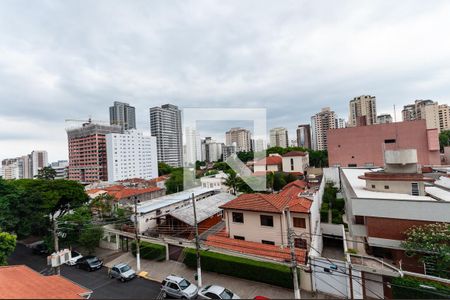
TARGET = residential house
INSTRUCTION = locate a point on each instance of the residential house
(295, 162)
(272, 163)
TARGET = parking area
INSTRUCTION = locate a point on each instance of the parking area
(98, 281)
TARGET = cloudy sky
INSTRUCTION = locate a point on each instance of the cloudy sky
(72, 59)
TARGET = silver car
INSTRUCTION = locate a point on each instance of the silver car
(122, 271)
(178, 287)
(216, 292)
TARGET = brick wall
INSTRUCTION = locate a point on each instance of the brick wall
(390, 228)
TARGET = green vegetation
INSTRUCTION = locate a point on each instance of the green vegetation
(46, 173)
(431, 243)
(241, 267)
(7, 246)
(444, 139)
(330, 202)
(90, 237)
(245, 156)
(175, 182)
(352, 251)
(164, 169)
(150, 251)
(410, 288)
(27, 206)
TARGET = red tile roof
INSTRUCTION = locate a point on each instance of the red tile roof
(294, 153)
(121, 192)
(21, 282)
(275, 203)
(269, 251)
(270, 160)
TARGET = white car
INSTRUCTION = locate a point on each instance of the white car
(74, 257)
(216, 292)
(178, 287)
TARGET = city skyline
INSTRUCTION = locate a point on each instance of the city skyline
(289, 59)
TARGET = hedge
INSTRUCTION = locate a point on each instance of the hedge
(266, 272)
(409, 288)
(150, 251)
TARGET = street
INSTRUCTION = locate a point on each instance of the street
(98, 281)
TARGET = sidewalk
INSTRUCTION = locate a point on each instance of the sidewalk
(246, 289)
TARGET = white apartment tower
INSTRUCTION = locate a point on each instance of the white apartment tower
(279, 137)
(363, 111)
(131, 154)
(240, 136)
(165, 125)
(193, 150)
(320, 124)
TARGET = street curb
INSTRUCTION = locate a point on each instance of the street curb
(145, 275)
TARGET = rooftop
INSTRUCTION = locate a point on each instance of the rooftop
(294, 153)
(358, 185)
(121, 192)
(268, 251)
(205, 208)
(158, 203)
(276, 203)
(270, 160)
(21, 282)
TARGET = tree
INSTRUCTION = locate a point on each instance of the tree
(431, 243)
(221, 166)
(175, 183)
(90, 237)
(7, 246)
(245, 156)
(46, 173)
(444, 139)
(232, 181)
(164, 169)
(103, 205)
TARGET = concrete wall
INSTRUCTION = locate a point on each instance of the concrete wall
(365, 145)
(402, 187)
(300, 163)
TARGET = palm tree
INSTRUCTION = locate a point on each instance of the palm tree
(232, 181)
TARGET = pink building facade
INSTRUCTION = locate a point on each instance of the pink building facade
(365, 145)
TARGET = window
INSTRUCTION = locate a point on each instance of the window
(266, 220)
(352, 165)
(212, 296)
(390, 141)
(415, 189)
(359, 220)
(373, 186)
(268, 242)
(292, 164)
(386, 187)
(238, 237)
(238, 217)
(299, 222)
(174, 286)
(300, 243)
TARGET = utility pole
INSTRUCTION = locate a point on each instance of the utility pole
(56, 242)
(197, 244)
(136, 230)
(293, 256)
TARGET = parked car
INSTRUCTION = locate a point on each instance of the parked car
(75, 256)
(40, 249)
(89, 263)
(216, 292)
(122, 271)
(178, 287)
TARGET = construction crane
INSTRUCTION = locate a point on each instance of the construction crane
(88, 121)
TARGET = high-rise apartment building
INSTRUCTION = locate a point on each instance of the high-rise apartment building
(87, 152)
(39, 159)
(444, 117)
(165, 125)
(279, 137)
(131, 154)
(122, 114)
(258, 145)
(304, 136)
(240, 136)
(26, 166)
(384, 118)
(227, 151)
(212, 150)
(340, 122)
(363, 111)
(320, 124)
(193, 151)
(436, 115)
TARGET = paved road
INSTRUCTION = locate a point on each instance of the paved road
(98, 281)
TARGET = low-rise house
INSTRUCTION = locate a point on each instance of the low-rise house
(152, 213)
(180, 222)
(381, 204)
(127, 195)
(216, 181)
(295, 162)
(21, 282)
(272, 163)
(262, 218)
